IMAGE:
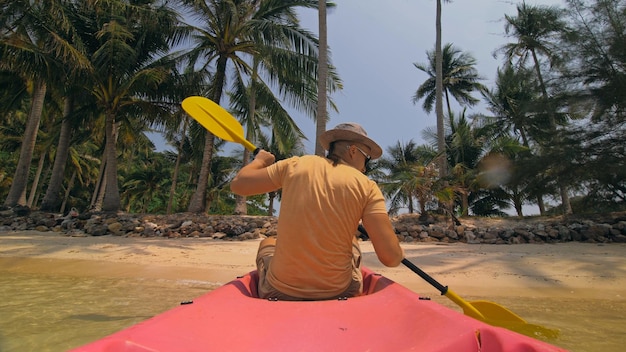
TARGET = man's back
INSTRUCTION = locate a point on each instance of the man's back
(316, 255)
(321, 207)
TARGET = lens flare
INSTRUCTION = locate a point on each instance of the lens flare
(495, 171)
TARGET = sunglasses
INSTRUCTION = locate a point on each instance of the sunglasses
(367, 157)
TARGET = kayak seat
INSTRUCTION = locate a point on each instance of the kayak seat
(372, 283)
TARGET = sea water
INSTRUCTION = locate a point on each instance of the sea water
(43, 312)
(584, 325)
(48, 312)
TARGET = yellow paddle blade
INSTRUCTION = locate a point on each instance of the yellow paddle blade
(468, 308)
(497, 315)
(216, 120)
(493, 311)
(487, 312)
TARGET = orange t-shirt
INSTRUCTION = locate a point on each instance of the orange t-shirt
(321, 207)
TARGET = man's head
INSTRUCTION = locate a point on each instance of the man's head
(353, 133)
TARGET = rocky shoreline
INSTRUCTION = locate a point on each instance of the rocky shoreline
(605, 228)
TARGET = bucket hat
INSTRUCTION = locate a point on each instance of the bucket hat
(352, 132)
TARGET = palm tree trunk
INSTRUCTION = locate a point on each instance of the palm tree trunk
(541, 205)
(241, 206)
(33, 187)
(270, 208)
(111, 201)
(322, 114)
(198, 200)
(170, 201)
(98, 193)
(441, 138)
(70, 184)
(17, 192)
(52, 199)
(422, 204)
(565, 202)
(464, 202)
(518, 200)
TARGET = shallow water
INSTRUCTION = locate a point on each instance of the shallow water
(43, 312)
(56, 313)
(585, 325)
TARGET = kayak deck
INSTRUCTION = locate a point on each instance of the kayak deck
(388, 317)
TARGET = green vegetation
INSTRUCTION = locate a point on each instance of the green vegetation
(84, 83)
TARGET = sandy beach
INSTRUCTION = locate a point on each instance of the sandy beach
(573, 270)
(577, 288)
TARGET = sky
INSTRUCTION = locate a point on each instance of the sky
(374, 45)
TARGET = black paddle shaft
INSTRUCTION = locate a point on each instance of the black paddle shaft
(443, 289)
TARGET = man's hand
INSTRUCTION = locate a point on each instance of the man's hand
(253, 178)
(266, 158)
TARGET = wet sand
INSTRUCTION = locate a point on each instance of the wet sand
(573, 270)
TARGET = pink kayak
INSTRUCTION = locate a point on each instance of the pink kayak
(388, 317)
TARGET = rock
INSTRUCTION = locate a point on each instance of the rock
(619, 239)
(21, 210)
(526, 235)
(98, 230)
(451, 234)
(408, 227)
(470, 237)
(506, 234)
(116, 228)
(219, 235)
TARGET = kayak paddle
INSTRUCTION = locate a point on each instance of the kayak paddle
(485, 311)
(216, 120)
(223, 125)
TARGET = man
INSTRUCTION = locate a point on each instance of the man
(316, 255)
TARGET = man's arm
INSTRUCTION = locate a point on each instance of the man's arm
(253, 178)
(384, 239)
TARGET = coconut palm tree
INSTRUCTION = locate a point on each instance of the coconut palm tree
(535, 28)
(322, 73)
(53, 199)
(410, 174)
(144, 186)
(231, 35)
(441, 137)
(512, 104)
(33, 45)
(282, 148)
(460, 79)
(501, 179)
(259, 108)
(465, 148)
(127, 45)
(181, 142)
(81, 174)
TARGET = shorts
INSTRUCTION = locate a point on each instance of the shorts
(266, 290)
